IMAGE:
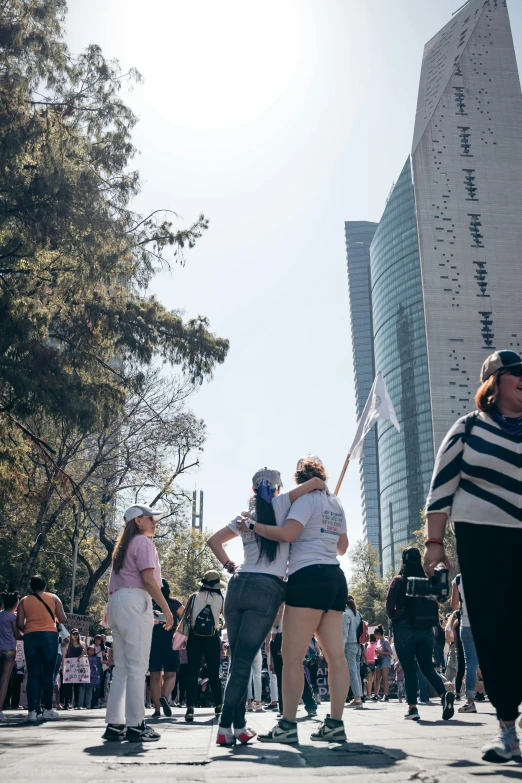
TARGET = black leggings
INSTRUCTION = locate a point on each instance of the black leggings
(197, 647)
(308, 696)
(489, 557)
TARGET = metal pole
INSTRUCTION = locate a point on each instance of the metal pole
(75, 556)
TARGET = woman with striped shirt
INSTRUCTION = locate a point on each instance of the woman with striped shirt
(477, 483)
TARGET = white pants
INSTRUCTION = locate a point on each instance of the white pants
(130, 618)
(255, 677)
(274, 693)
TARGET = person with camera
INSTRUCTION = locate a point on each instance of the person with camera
(413, 618)
(476, 483)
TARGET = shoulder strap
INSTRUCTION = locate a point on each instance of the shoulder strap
(46, 606)
(471, 418)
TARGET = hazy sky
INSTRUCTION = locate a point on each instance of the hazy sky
(279, 121)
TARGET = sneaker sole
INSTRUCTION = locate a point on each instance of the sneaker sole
(166, 707)
(449, 710)
(142, 739)
(492, 755)
(412, 717)
(279, 740)
(316, 738)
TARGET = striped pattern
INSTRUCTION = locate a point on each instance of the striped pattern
(480, 480)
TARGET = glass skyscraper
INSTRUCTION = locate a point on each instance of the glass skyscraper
(405, 458)
(446, 284)
(359, 235)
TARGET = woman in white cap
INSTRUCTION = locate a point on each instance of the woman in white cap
(255, 592)
(477, 483)
(135, 581)
(316, 597)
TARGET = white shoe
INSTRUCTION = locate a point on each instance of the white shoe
(51, 715)
(31, 716)
(503, 747)
(3, 719)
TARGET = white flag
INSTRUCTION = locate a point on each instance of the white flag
(378, 406)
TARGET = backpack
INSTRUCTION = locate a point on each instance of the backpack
(423, 612)
(362, 630)
(204, 624)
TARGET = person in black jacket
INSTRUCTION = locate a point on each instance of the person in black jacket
(413, 620)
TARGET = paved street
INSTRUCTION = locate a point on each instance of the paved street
(382, 746)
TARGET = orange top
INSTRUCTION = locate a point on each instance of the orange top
(37, 618)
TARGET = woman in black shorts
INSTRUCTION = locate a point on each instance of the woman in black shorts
(316, 595)
(162, 657)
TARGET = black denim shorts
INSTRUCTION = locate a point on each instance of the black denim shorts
(318, 587)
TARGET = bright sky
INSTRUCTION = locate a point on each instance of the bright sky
(279, 121)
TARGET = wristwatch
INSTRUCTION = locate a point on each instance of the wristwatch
(251, 524)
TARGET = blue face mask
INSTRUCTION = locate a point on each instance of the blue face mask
(265, 491)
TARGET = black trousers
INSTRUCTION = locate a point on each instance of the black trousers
(489, 557)
(277, 658)
(412, 646)
(197, 647)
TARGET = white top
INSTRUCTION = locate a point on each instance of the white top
(253, 563)
(464, 619)
(323, 521)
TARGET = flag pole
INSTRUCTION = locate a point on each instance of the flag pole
(341, 477)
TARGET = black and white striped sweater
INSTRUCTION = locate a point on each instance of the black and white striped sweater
(479, 480)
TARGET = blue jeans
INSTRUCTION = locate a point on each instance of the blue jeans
(415, 643)
(85, 696)
(41, 649)
(471, 658)
(423, 685)
(251, 606)
(352, 651)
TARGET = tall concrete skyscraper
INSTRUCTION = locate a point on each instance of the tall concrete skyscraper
(359, 235)
(446, 273)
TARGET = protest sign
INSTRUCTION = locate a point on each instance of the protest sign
(79, 621)
(77, 670)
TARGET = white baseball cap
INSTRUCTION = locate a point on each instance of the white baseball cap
(142, 511)
(267, 474)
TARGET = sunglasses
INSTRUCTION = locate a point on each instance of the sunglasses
(515, 371)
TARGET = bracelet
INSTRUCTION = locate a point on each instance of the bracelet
(229, 566)
(434, 541)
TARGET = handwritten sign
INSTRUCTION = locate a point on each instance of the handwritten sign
(77, 670)
(79, 621)
(20, 657)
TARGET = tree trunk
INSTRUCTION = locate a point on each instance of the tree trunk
(93, 580)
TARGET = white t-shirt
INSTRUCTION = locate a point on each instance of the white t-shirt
(323, 521)
(260, 565)
(464, 619)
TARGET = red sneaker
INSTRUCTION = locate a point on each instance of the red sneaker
(225, 737)
(245, 734)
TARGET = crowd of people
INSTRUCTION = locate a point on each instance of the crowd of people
(287, 606)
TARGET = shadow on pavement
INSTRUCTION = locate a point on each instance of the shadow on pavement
(346, 754)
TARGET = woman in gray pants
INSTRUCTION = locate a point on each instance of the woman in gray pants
(255, 592)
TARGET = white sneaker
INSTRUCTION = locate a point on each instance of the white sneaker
(3, 719)
(503, 747)
(31, 716)
(51, 715)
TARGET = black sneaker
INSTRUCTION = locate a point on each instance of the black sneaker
(142, 733)
(284, 732)
(448, 709)
(166, 706)
(189, 715)
(156, 714)
(312, 713)
(114, 733)
(329, 731)
(480, 697)
(412, 714)
(217, 710)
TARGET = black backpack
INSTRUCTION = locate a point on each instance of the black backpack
(422, 612)
(204, 624)
(360, 626)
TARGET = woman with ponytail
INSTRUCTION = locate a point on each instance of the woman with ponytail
(255, 592)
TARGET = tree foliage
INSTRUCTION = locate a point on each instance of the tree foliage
(90, 416)
(367, 587)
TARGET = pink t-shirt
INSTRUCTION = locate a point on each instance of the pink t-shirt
(141, 554)
(370, 652)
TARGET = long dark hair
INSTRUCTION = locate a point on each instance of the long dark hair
(265, 515)
(411, 563)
